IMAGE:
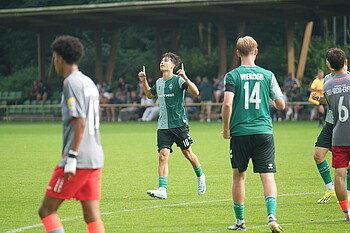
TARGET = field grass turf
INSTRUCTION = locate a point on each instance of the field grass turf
(30, 151)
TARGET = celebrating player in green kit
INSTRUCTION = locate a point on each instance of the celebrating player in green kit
(172, 123)
(247, 123)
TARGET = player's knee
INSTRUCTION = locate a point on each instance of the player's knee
(163, 156)
(90, 218)
(318, 158)
(44, 212)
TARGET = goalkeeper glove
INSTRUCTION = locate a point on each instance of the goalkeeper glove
(71, 162)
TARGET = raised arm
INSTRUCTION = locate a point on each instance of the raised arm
(192, 88)
(143, 78)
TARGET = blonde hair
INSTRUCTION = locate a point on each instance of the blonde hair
(246, 45)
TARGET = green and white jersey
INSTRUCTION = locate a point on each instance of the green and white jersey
(171, 93)
(253, 87)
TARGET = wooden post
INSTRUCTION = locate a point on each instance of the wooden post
(209, 38)
(41, 56)
(334, 31)
(222, 49)
(158, 46)
(98, 57)
(52, 72)
(240, 33)
(113, 56)
(205, 38)
(176, 40)
(304, 50)
(290, 47)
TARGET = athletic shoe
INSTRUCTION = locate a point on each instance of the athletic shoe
(274, 226)
(201, 185)
(158, 193)
(347, 216)
(237, 227)
(326, 197)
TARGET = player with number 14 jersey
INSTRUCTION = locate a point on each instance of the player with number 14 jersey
(259, 85)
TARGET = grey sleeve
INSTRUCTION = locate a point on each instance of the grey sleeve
(75, 100)
(276, 92)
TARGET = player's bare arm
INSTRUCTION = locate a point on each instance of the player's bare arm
(79, 128)
(143, 78)
(226, 113)
(192, 88)
(279, 104)
(318, 98)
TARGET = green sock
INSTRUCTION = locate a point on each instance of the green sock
(348, 181)
(324, 170)
(198, 171)
(271, 204)
(239, 210)
(163, 182)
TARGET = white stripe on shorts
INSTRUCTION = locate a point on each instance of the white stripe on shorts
(58, 185)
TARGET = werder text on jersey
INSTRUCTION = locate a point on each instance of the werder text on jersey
(252, 76)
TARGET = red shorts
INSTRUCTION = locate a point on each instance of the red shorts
(85, 185)
(341, 156)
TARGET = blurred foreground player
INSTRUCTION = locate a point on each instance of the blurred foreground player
(78, 175)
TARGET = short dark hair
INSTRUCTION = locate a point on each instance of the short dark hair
(336, 58)
(173, 58)
(69, 47)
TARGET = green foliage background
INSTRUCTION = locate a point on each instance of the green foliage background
(18, 49)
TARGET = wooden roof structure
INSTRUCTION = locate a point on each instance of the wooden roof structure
(112, 15)
(165, 13)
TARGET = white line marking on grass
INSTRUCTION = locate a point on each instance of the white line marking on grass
(284, 224)
(162, 206)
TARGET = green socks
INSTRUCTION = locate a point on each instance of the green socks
(198, 171)
(271, 204)
(239, 210)
(163, 182)
(324, 170)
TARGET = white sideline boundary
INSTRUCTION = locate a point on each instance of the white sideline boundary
(180, 204)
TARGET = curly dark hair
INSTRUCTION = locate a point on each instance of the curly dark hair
(69, 47)
(173, 58)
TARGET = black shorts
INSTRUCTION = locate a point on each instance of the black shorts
(324, 140)
(179, 135)
(258, 147)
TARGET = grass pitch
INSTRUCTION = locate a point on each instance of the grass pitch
(30, 151)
